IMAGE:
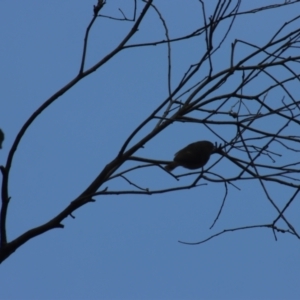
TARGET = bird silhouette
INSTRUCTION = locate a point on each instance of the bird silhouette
(193, 156)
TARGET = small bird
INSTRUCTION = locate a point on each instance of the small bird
(193, 156)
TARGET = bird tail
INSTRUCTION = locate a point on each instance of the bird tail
(171, 166)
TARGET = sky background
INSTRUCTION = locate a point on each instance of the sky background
(125, 247)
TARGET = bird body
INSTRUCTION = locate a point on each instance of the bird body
(193, 156)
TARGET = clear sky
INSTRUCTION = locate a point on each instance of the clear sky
(124, 247)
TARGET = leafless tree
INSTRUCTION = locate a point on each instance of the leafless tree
(221, 99)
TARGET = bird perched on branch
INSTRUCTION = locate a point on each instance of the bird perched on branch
(193, 156)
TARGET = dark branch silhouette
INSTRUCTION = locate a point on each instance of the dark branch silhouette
(216, 98)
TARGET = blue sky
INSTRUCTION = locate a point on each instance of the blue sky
(125, 247)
